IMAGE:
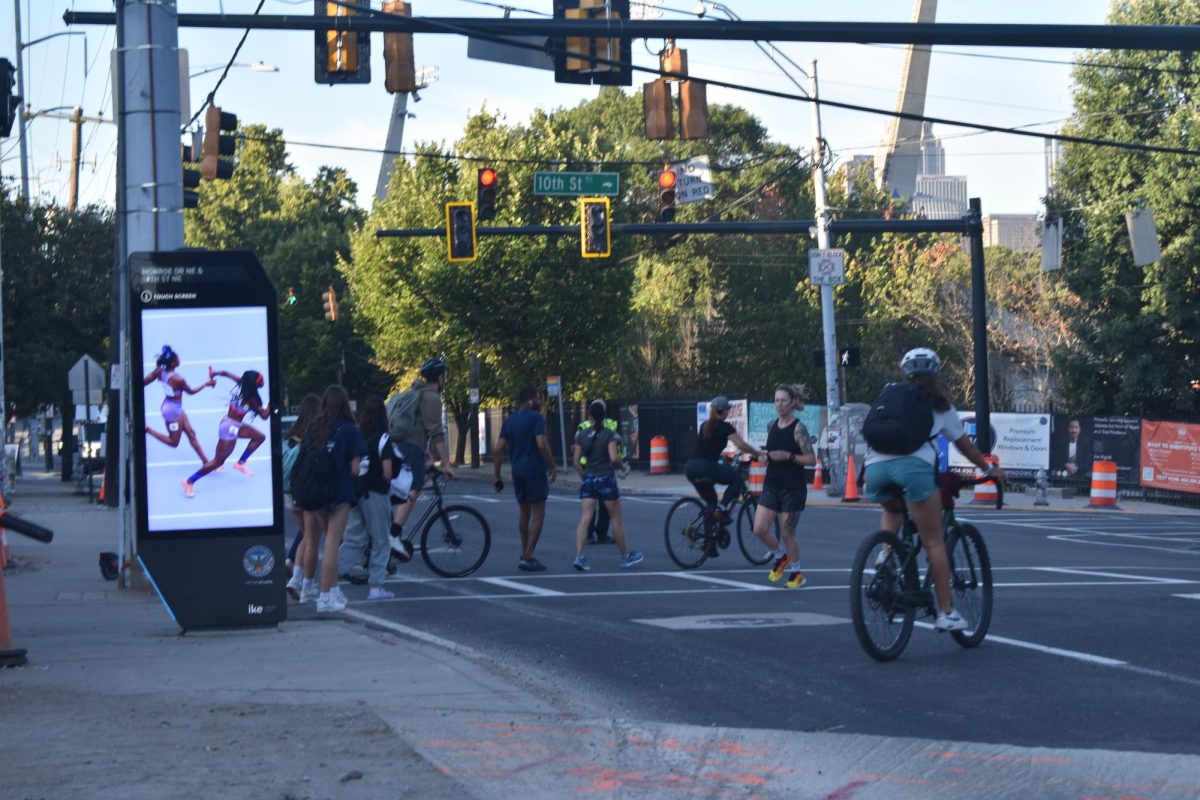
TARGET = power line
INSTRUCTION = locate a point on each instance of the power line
(1031, 59)
(208, 100)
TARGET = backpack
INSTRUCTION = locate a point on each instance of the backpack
(900, 420)
(315, 477)
(291, 451)
(402, 414)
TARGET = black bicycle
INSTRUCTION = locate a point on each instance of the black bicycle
(887, 588)
(693, 536)
(455, 539)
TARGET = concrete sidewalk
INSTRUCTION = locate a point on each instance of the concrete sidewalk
(115, 703)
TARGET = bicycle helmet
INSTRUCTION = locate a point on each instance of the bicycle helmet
(433, 367)
(921, 361)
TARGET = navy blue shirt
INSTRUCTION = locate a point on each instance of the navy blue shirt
(348, 444)
(521, 431)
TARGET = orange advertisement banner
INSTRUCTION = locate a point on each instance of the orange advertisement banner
(1171, 456)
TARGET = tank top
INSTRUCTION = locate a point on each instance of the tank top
(169, 391)
(784, 474)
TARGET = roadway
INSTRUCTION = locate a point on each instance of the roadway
(1093, 641)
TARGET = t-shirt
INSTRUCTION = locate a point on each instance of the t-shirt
(348, 443)
(594, 446)
(521, 431)
(709, 447)
(946, 423)
(374, 480)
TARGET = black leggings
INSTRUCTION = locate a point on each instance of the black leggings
(717, 472)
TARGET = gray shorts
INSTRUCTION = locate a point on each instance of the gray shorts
(784, 499)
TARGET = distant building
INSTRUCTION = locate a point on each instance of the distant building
(941, 197)
(933, 155)
(858, 168)
(1054, 157)
(1020, 233)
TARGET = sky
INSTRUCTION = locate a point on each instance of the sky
(1006, 172)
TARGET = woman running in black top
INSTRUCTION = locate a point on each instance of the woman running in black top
(785, 487)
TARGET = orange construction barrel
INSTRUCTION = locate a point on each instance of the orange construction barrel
(660, 461)
(1104, 485)
(758, 475)
(986, 493)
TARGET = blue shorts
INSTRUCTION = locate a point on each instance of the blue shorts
(602, 486)
(913, 476)
(533, 488)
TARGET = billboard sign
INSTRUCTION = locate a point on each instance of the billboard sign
(1170, 455)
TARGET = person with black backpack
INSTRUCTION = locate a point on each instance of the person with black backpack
(323, 486)
(900, 430)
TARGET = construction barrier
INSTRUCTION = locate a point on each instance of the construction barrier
(986, 493)
(660, 461)
(1104, 485)
(851, 493)
(818, 478)
(758, 475)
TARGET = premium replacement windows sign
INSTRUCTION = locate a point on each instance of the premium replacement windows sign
(1020, 441)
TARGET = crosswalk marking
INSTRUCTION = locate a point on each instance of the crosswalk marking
(1146, 578)
(693, 576)
(541, 591)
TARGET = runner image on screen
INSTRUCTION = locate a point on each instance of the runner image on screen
(174, 386)
(243, 400)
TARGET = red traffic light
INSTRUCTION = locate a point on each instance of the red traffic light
(667, 179)
(487, 177)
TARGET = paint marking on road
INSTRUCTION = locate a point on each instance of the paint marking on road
(479, 498)
(505, 583)
(1087, 658)
(710, 622)
(692, 576)
(1097, 574)
(1188, 596)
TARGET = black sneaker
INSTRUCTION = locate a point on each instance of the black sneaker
(535, 565)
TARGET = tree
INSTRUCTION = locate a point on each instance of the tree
(57, 291)
(1137, 348)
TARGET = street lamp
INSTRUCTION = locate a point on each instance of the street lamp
(257, 66)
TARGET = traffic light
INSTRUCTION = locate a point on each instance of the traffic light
(291, 297)
(595, 227)
(329, 301)
(191, 177)
(399, 68)
(341, 56)
(218, 144)
(657, 111)
(578, 63)
(666, 195)
(460, 232)
(693, 110)
(485, 195)
(10, 104)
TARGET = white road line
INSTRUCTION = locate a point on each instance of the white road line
(1188, 596)
(1146, 578)
(692, 576)
(481, 498)
(521, 586)
(1088, 537)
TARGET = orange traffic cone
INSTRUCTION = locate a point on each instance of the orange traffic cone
(851, 493)
(818, 478)
(101, 497)
(9, 656)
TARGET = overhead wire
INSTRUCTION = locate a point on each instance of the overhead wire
(213, 93)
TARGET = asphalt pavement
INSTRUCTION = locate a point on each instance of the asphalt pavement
(508, 684)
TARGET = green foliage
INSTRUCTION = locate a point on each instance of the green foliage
(1138, 347)
(57, 297)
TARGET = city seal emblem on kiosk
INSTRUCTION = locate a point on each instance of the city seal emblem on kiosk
(258, 561)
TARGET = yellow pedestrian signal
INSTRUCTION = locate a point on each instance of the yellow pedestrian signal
(595, 227)
(460, 232)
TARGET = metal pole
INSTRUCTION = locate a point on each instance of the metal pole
(24, 101)
(833, 398)
(3, 404)
(87, 418)
(473, 423)
(983, 413)
(562, 427)
(395, 140)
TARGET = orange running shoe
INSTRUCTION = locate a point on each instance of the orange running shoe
(242, 468)
(778, 570)
(187, 488)
(796, 581)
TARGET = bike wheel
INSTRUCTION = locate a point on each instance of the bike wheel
(455, 541)
(970, 582)
(883, 621)
(752, 547)
(687, 543)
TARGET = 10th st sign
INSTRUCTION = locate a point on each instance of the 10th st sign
(576, 184)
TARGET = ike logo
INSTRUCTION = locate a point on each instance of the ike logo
(254, 609)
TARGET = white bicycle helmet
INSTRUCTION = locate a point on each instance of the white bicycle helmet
(921, 361)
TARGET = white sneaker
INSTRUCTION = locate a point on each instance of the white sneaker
(952, 621)
(309, 594)
(884, 554)
(336, 591)
(379, 593)
(294, 586)
(327, 604)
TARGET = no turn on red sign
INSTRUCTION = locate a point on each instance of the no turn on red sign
(826, 267)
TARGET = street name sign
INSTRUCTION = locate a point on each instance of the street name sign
(576, 184)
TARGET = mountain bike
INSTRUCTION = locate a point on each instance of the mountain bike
(887, 589)
(455, 539)
(693, 536)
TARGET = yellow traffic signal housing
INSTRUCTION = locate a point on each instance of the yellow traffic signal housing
(460, 232)
(341, 56)
(399, 66)
(595, 227)
(219, 144)
(329, 301)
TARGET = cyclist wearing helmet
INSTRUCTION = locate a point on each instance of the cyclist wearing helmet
(427, 435)
(915, 477)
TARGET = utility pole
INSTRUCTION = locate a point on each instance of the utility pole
(24, 101)
(149, 193)
(76, 146)
(833, 398)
